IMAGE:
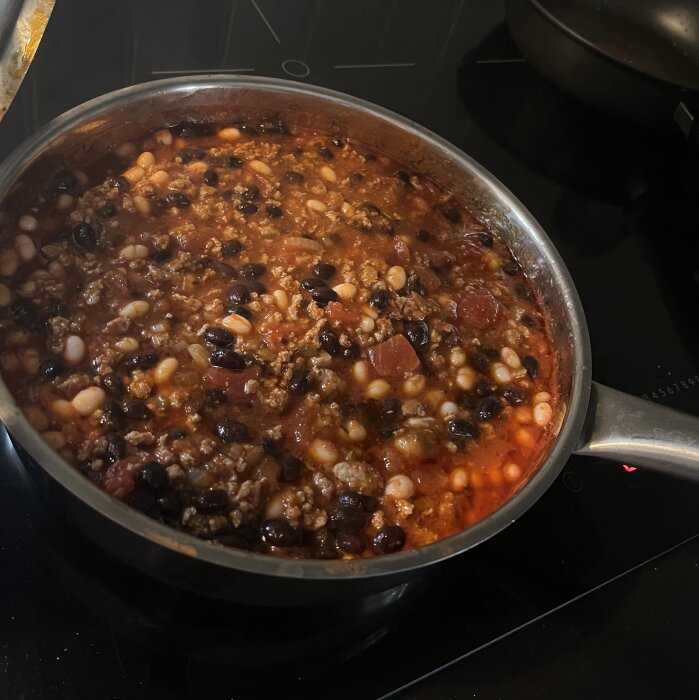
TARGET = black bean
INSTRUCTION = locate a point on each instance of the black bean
(388, 539)
(510, 267)
(325, 153)
(312, 282)
(176, 434)
(59, 309)
(349, 543)
(469, 401)
(257, 287)
(451, 212)
(170, 504)
(141, 499)
(113, 384)
(322, 544)
(178, 200)
(351, 352)
(358, 500)
(403, 176)
(323, 295)
(216, 397)
(463, 429)
(273, 126)
(356, 177)
(118, 182)
(236, 540)
(338, 143)
(514, 395)
(531, 365)
(107, 211)
(379, 299)
(346, 518)
(231, 248)
(252, 270)
(527, 320)
(300, 382)
(485, 239)
(139, 360)
(233, 162)
(116, 448)
(246, 208)
(272, 447)
(329, 341)
(417, 333)
(112, 415)
(247, 129)
(211, 501)
(232, 431)
(391, 408)
(233, 308)
(489, 352)
(27, 314)
(450, 338)
(415, 284)
(273, 211)
(135, 408)
(279, 532)
(479, 361)
(52, 368)
(524, 293)
(291, 468)
(251, 193)
(153, 476)
(159, 205)
(424, 235)
(192, 127)
(211, 178)
(323, 271)
(227, 359)
(187, 155)
(489, 408)
(218, 336)
(224, 269)
(293, 177)
(84, 236)
(64, 181)
(239, 293)
(484, 388)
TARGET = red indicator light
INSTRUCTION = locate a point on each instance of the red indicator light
(629, 468)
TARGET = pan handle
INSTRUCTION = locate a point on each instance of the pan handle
(626, 428)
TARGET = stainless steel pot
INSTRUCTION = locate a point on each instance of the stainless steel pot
(595, 420)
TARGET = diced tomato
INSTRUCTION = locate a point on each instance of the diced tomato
(481, 311)
(274, 333)
(118, 480)
(394, 357)
(346, 315)
(233, 383)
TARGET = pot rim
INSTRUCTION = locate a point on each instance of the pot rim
(191, 547)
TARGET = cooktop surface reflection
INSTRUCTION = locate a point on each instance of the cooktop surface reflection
(593, 591)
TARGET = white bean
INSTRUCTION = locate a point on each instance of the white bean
(163, 137)
(360, 372)
(142, 205)
(64, 202)
(542, 414)
(400, 486)
(316, 205)
(512, 472)
(54, 439)
(328, 174)
(63, 409)
(458, 479)
(74, 349)
(281, 298)
(199, 355)
(396, 277)
(322, 451)
(378, 389)
(9, 262)
(466, 378)
(448, 410)
(305, 244)
(163, 371)
(355, 430)
(238, 324)
(135, 309)
(134, 175)
(345, 291)
(5, 295)
(500, 373)
(260, 167)
(89, 400)
(135, 251)
(27, 222)
(541, 397)
(230, 133)
(127, 344)
(510, 358)
(145, 160)
(457, 357)
(367, 324)
(414, 385)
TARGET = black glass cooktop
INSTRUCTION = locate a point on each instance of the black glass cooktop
(593, 592)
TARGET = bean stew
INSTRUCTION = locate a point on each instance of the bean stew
(276, 340)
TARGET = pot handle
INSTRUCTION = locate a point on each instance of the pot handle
(625, 428)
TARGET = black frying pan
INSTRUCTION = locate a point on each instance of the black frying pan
(637, 59)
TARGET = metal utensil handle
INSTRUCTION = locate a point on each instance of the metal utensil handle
(629, 429)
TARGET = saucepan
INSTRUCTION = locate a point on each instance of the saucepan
(594, 419)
